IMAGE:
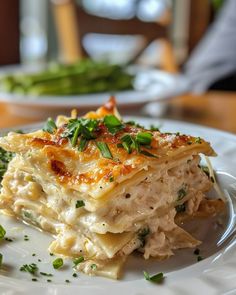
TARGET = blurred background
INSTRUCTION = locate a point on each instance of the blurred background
(31, 35)
(191, 41)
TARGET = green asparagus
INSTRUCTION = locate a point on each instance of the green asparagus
(80, 78)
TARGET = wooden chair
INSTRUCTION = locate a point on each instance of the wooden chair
(73, 23)
(9, 32)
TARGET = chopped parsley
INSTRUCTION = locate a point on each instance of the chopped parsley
(67, 281)
(129, 143)
(181, 193)
(75, 136)
(146, 153)
(79, 203)
(57, 263)
(111, 179)
(34, 280)
(93, 266)
(78, 260)
(198, 140)
(81, 130)
(158, 278)
(46, 274)
(75, 275)
(133, 123)
(144, 138)
(80, 127)
(154, 128)
(199, 258)
(2, 232)
(142, 234)
(1, 259)
(205, 169)
(113, 124)
(30, 268)
(5, 158)
(104, 149)
(26, 238)
(82, 144)
(8, 239)
(50, 126)
(180, 208)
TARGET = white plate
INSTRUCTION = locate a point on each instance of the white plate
(149, 85)
(183, 274)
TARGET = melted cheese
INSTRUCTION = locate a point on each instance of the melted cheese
(48, 176)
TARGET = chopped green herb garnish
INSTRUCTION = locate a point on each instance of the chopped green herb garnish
(30, 268)
(51, 254)
(119, 145)
(144, 138)
(129, 143)
(133, 123)
(199, 258)
(80, 127)
(57, 263)
(93, 266)
(127, 147)
(19, 131)
(67, 281)
(198, 140)
(180, 208)
(82, 144)
(75, 136)
(46, 274)
(146, 153)
(158, 278)
(49, 281)
(205, 169)
(113, 124)
(2, 232)
(79, 203)
(8, 239)
(154, 128)
(75, 275)
(5, 158)
(78, 260)
(196, 251)
(27, 214)
(50, 126)
(1, 259)
(33, 254)
(104, 149)
(34, 280)
(111, 179)
(142, 234)
(181, 193)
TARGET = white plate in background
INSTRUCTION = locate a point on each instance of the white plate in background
(183, 274)
(149, 85)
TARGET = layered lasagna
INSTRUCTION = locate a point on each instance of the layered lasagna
(105, 188)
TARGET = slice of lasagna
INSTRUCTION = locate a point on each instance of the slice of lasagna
(105, 188)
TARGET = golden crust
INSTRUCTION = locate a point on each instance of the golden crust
(89, 169)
